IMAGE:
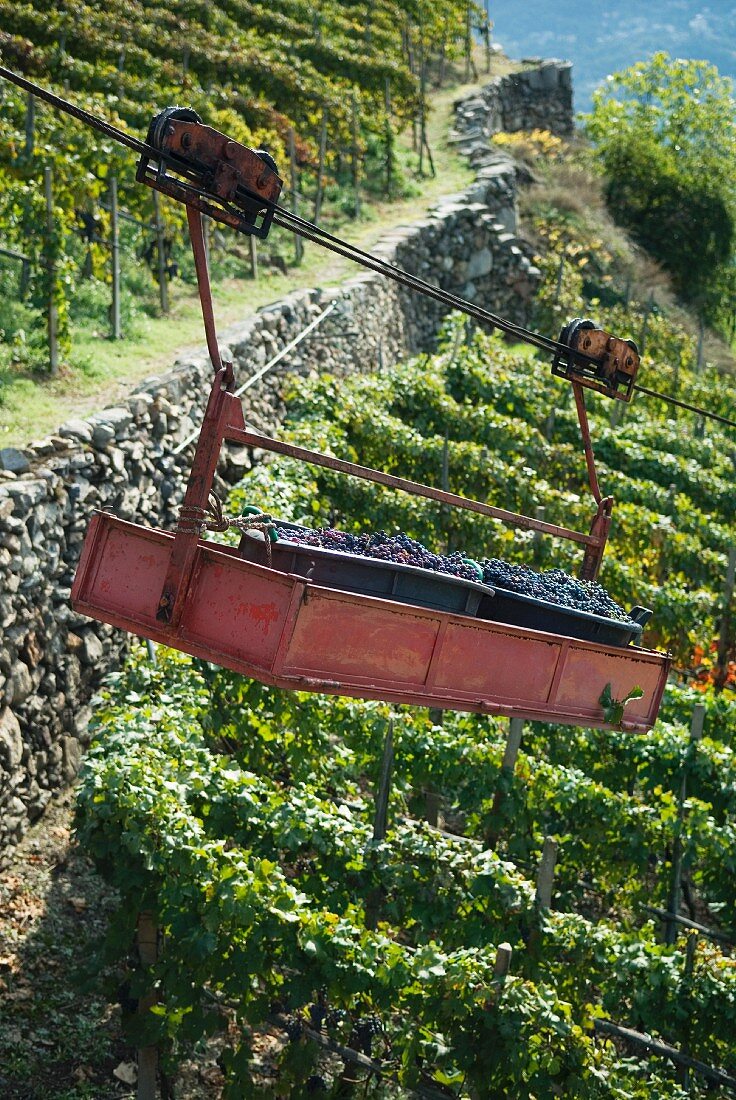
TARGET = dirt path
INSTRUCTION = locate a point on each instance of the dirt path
(60, 1018)
(59, 1034)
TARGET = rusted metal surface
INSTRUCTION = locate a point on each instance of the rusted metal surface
(222, 408)
(282, 630)
(204, 169)
(196, 234)
(610, 366)
(599, 530)
(601, 525)
(587, 445)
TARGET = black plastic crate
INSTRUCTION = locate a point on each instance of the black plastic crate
(527, 611)
(368, 576)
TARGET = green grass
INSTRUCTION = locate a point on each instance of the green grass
(100, 371)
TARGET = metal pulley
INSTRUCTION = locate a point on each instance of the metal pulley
(208, 171)
(605, 363)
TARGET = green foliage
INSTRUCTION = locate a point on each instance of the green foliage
(613, 709)
(664, 131)
(263, 883)
(252, 70)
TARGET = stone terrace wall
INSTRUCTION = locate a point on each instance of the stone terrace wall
(538, 98)
(123, 459)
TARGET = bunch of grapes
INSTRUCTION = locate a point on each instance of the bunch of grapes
(398, 548)
(364, 1030)
(294, 1028)
(335, 1019)
(316, 1083)
(554, 586)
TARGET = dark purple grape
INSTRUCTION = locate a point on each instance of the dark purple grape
(397, 548)
(553, 585)
(294, 1029)
(365, 1029)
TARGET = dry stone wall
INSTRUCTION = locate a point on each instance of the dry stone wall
(127, 459)
(538, 97)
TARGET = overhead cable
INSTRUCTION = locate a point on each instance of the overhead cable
(287, 219)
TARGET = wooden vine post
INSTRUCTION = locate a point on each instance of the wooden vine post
(321, 167)
(508, 767)
(432, 798)
(502, 964)
(253, 257)
(52, 319)
(422, 106)
(389, 137)
(294, 185)
(487, 31)
(147, 942)
(675, 888)
(163, 286)
(683, 1071)
(546, 873)
(115, 254)
(724, 633)
(380, 820)
(355, 153)
(700, 353)
(648, 308)
(30, 126)
(469, 63)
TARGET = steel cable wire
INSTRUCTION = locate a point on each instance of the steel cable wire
(286, 219)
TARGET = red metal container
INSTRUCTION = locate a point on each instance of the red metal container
(284, 630)
(280, 629)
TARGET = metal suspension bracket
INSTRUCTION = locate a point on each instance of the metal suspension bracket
(609, 366)
(602, 520)
(209, 172)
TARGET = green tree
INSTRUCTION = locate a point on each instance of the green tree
(665, 133)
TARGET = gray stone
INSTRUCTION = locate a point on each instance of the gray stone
(27, 494)
(42, 447)
(81, 724)
(13, 813)
(11, 740)
(139, 403)
(119, 419)
(72, 757)
(77, 429)
(20, 684)
(36, 800)
(480, 263)
(92, 650)
(102, 433)
(13, 461)
(82, 460)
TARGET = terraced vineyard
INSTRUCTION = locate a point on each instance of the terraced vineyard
(341, 78)
(248, 817)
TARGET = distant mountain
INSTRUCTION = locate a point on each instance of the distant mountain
(604, 37)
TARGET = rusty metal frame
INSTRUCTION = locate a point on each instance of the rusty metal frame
(391, 481)
(224, 420)
(610, 366)
(211, 174)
